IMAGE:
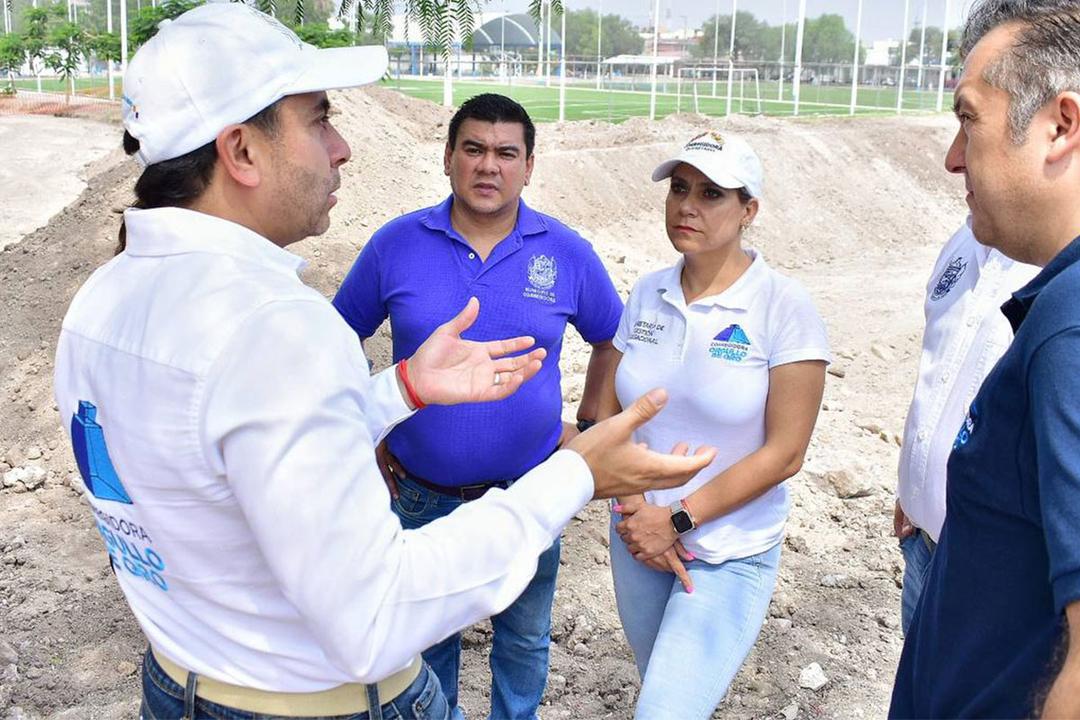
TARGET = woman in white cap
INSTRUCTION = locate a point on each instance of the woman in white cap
(742, 352)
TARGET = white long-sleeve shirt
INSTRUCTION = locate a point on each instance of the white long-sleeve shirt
(964, 337)
(224, 419)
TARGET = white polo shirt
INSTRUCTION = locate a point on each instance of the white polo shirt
(965, 335)
(713, 357)
(224, 421)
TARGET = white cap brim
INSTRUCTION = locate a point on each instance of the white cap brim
(338, 68)
(724, 180)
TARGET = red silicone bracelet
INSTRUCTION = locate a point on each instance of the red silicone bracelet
(403, 372)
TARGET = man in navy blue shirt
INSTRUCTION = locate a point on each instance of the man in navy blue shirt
(532, 275)
(997, 630)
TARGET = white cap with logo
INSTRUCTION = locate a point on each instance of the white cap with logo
(727, 160)
(222, 63)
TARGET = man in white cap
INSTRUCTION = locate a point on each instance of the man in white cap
(224, 423)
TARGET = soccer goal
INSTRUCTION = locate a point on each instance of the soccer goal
(717, 84)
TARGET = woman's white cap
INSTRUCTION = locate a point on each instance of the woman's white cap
(222, 63)
(727, 160)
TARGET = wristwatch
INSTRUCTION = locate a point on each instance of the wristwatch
(681, 519)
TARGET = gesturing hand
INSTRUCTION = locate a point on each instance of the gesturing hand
(621, 467)
(447, 370)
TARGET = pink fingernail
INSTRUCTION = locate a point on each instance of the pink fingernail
(617, 508)
(690, 591)
(690, 556)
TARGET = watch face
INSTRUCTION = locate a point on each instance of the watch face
(681, 521)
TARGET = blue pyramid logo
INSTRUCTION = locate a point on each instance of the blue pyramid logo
(733, 334)
(92, 456)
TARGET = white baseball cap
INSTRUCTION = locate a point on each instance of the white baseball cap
(727, 160)
(222, 63)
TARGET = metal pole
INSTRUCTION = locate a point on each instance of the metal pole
(599, 51)
(123, 37)
(655, 55)
(903, 61)
(716, 48)
(944, 57)
(855, 62)
(540, 43)
(448, 82)
(562, 66)
(109, 62)
(547, 52)
(797, 79)
(502, 46)
(783, 38)
(922, 45)
(731, 56)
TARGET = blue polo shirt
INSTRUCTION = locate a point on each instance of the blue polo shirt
(984, 636)
(418, 271)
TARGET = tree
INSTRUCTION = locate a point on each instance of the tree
(67, 43)
(36, 39)
(933, 44)
(617, 35)
(12, 56)
(753, 39)
(145, 23)
(827, 40)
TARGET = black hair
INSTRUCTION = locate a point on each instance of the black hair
(493, 108)
(180, 181)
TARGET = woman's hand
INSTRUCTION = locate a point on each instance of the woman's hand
(671, 561)
(647, 530)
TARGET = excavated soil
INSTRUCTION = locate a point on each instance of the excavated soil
(855, 209)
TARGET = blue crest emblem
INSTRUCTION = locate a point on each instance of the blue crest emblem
(542, 272)
(948, 278)
(967, 429)
(92, 457)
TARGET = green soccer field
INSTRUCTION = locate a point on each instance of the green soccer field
(587, 103)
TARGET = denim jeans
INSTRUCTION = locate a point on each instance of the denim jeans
(522, 632)
(163, 699)
(688, 647)
(917, 556)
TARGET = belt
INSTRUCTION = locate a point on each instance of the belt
(341, 700)
(465, 493)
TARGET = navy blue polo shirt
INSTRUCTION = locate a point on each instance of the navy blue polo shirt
(984, 636)
(418, 271)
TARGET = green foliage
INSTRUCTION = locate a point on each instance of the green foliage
(617, 36)
(36, 36)
(145, 23)
(12, 56)
(826, 39)
(67, 44)
(932, 54)
(106, 45)
(320, 35)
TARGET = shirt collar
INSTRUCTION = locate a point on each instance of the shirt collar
(1016, 308)
(529, 222)
(737, 297)
(160, 232)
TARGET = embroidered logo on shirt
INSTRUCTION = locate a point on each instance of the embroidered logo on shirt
(967, 429)
(127, 543)
(647, 332)
(730, 344)
(542, 273)
(949, 277)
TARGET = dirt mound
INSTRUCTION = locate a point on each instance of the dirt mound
(856, 209)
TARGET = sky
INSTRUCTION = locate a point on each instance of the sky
(882, 19)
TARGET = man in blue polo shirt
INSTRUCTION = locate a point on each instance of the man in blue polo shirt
(532, 275)
(997, 630)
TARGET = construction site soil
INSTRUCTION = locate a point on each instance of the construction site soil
(856, 209)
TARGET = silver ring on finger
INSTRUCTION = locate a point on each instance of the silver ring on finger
(498, 379)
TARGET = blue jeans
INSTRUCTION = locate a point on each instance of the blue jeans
(917, 554)
(522, 632)
(163, 699)
(688, 647)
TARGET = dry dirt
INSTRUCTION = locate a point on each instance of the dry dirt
(855, 209)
